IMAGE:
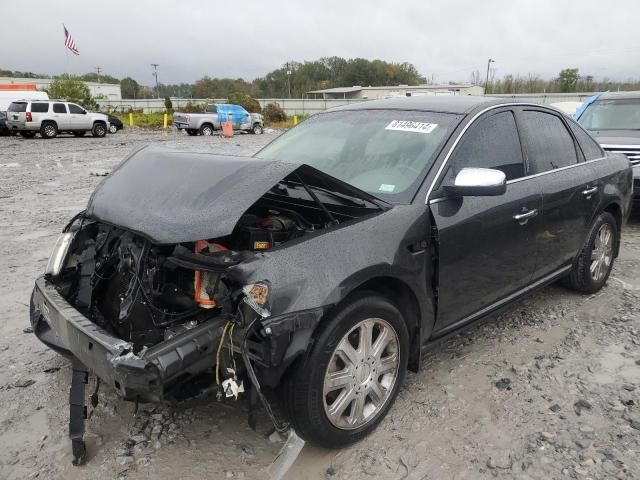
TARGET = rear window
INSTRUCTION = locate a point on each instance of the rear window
(18, 107)
(39, 107)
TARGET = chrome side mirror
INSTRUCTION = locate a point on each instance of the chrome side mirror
(481, 182)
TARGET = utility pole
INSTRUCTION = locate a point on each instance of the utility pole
(155, 74)
(486, 82)
(98, 71)
(286, 65)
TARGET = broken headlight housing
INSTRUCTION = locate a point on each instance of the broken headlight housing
(256, 295)
(59, 254)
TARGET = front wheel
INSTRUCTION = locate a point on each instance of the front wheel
(345, 385)
(113, 128)
(99, 130)
(595, 261)
(257, 129)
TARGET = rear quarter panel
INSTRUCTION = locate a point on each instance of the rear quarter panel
(615, 179)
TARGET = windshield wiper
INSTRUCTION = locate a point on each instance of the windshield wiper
(332, 219)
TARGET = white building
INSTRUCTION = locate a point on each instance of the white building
(110, 91)
(374, 93)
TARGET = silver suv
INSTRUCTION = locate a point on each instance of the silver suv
(50, 117)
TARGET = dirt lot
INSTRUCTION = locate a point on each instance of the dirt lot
(549, 389)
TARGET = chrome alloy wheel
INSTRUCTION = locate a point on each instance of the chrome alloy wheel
(602, 253)
(49, 130)
(361, 374)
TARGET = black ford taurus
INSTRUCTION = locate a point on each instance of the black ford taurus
(313, 275)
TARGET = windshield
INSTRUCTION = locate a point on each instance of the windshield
(623, 114)
(383, 152)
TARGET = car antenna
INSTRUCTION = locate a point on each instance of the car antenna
(315, 198)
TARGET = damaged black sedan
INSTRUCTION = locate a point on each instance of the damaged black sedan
(312, 276)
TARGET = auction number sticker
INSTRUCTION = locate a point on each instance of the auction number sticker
(408, 126)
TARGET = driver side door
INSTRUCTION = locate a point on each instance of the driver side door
(487, 244)
(79, 119)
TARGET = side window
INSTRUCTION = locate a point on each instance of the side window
(492, 143)
(589, 146)
(549, 143)
(75, 109)
(39, 107)
(59, 108)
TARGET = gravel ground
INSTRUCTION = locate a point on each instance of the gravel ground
(548, 389)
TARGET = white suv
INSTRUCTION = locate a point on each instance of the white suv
(50, 117)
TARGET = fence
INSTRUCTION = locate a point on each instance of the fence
(309, 106)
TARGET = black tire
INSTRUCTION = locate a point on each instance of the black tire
(48, 130)
(257, 129)
(207, 130)
(28, 134)
(304, 399)
(192, 132)
(99, 129)
(80, 133)
(581, 278)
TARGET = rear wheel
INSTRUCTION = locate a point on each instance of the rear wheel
(28, 134)
(48, 130)
(206, 129)
(347, 382)
(99, 130)
(595, 261)
(192, 132)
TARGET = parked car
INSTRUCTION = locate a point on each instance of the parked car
(48, 118)
(323, 268)
(211, 120)
(115, 124)
(614, 120)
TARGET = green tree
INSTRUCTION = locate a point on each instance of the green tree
(249, 103)
(129, 88)
(568, 79)
(167, 104)
(73, 90)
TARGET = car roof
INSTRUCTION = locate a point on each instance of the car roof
(438, 103)
(619, 96)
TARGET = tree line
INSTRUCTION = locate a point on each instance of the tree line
(294, 79)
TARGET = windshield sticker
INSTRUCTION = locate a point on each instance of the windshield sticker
(386, 188)
(407, 126)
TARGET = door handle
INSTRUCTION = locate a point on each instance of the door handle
(590, 191)
(523, 218)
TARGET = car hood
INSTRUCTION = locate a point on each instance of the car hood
(616, 137)
(172, 197)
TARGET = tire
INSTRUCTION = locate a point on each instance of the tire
(113, 129)
(48, 130)
(192, 132)
(99, 129)
(257, 129)
(308, 399)
(28, 134)
(595, 260)
(206, 130)
(80, 133)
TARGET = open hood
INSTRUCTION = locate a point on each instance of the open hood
(173, 197)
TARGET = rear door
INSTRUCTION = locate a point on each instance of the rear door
(568, 188)
(39, 112)
(61, 116)
(487, 244)
(16, 115)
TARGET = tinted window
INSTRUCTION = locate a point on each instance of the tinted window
(588, 145)
(549, 143)
(17, 107)
(492, 143)
(59, 108)
(75, 109)
(39, 107)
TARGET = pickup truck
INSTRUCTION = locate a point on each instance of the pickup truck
(211, 119)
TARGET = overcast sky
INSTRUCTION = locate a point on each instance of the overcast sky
(446, 40)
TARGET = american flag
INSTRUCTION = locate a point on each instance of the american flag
(68, 41)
